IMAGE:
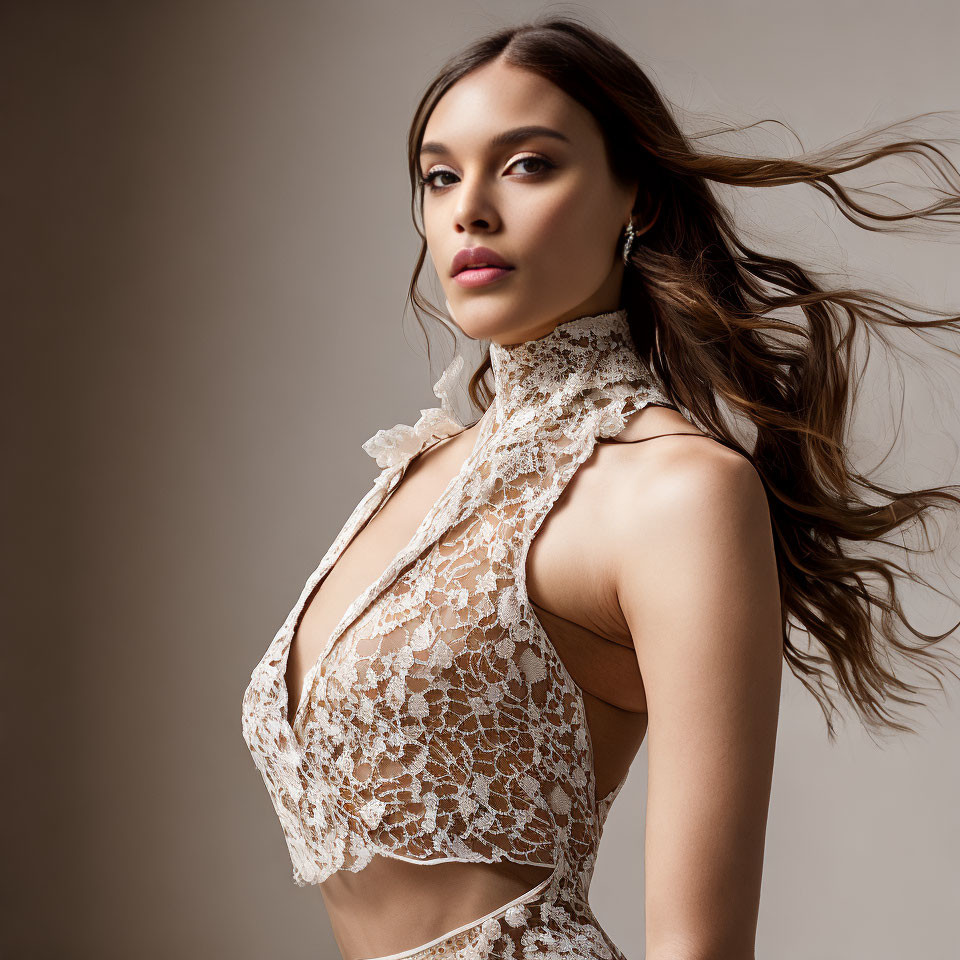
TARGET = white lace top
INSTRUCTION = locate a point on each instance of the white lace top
(438, 721)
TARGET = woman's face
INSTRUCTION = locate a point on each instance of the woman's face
(546, 205)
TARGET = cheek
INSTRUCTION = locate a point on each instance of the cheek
(569, 232)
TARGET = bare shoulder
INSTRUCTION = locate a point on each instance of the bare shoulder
(689, 486)
(660, 448)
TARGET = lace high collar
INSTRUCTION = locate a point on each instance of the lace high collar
(577, 355)
(587, 353)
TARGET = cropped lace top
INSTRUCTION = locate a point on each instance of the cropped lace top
(438, 722)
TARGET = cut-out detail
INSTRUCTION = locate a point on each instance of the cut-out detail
(514, 914)
(443, 723)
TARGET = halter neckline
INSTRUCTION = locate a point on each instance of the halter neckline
(588, 352)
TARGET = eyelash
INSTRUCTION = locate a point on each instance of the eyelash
(428, 181)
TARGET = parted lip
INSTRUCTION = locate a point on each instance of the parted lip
(470, 256)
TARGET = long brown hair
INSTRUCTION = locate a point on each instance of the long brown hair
(699, 302)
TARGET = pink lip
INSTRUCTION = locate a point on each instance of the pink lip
(481, 276)
(469, 256)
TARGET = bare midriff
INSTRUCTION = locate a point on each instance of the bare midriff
(392, 905)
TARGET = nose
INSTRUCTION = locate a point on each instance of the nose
(474, 209)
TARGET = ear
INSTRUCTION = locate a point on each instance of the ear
(648, 215)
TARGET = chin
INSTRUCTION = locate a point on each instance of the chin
(508, 323)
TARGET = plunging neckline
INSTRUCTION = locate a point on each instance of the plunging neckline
(370, 594)
(440, 674)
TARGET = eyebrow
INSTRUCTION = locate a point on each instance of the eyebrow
(507, 137)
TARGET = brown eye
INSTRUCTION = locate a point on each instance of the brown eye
(543, 163)
(429, 181)
(431, 177)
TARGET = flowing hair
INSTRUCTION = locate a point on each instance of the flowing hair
(699, 302)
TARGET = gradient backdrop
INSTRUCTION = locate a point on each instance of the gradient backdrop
(206, 247)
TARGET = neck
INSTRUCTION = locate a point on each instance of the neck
(577, 355)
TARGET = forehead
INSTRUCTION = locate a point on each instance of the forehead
(497, 96)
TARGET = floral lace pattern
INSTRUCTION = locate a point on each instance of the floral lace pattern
(401, 443)
(438, 722)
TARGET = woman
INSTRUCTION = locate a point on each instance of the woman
(444, 725)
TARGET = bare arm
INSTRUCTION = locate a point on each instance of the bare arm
(697, 583)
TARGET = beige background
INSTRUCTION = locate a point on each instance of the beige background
(206, 249)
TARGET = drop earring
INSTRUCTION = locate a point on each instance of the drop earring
(632, 233)
(628, 243)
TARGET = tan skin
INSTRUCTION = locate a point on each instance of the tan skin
(676, 627)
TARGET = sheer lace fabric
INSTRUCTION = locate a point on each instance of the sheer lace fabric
(438, 722)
